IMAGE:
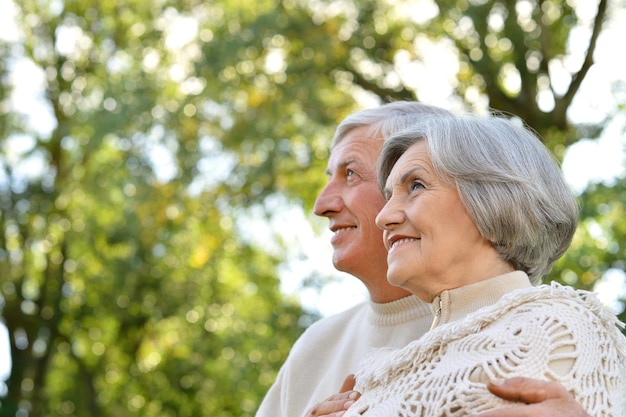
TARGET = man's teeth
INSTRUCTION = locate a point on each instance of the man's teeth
(344, 229)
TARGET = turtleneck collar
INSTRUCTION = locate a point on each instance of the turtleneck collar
(398, 311)
(455, 304)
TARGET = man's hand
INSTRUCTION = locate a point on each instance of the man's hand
(336, 405)
(541, 398)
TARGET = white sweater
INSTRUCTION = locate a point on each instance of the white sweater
(547, 332)
(330, 349)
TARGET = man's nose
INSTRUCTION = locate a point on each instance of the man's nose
(329, 201)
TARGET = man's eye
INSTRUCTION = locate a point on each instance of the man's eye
(350, 172)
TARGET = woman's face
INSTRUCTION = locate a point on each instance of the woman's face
(432, 242)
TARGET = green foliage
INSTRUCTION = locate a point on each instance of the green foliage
(139, 300)
(123, 293)
(600, 243)
(128, 285)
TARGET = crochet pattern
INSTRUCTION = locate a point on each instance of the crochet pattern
(549, 332)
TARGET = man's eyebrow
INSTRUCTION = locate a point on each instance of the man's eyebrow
(349, 161)
(343, 164)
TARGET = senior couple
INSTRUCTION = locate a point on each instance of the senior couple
(451, 232)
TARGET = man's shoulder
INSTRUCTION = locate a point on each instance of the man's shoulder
(333, 329)
(331, 324)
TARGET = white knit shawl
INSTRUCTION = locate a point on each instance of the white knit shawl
(548, 332)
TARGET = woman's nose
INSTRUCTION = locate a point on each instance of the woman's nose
(390, 216)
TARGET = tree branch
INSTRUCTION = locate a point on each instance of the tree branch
(563, 103)
(384, 93)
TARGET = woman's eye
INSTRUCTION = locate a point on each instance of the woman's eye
(416, 185)
(349, 172)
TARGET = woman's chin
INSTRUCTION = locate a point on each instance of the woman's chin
(408, 283)
(397, 280)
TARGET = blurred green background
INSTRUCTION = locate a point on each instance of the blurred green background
(151, 153)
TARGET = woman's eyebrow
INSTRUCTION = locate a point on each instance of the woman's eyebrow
(387, 191)
(410, 172)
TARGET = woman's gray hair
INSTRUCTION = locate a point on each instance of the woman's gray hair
(509, 183)
(387, 119)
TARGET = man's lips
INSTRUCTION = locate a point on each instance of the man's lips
(342, 229)
(339, 231)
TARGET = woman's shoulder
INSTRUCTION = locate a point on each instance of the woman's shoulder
(555, 300)
(545, 310)
(558, 311)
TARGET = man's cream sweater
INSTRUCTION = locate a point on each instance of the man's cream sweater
(496, 329)
(330, 349)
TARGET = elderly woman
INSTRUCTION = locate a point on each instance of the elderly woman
(477, 212)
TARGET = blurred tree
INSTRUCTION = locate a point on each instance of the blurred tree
(130, 283)
(124, 293)
(600, 243)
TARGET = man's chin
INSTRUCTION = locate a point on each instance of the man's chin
(357, 266)
(342, 263)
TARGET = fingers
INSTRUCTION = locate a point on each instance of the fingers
(511, 412)
(335, 405)
(539, 398)
(348, 383)
(526, 390)
(550, 408)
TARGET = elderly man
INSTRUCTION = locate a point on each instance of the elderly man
(329, 350)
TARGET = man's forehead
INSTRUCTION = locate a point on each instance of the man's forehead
(357, 157)
(359, 148)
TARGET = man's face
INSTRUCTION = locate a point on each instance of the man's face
(351, 200)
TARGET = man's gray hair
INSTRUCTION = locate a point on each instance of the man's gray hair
(387, 119)
(509, 183)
